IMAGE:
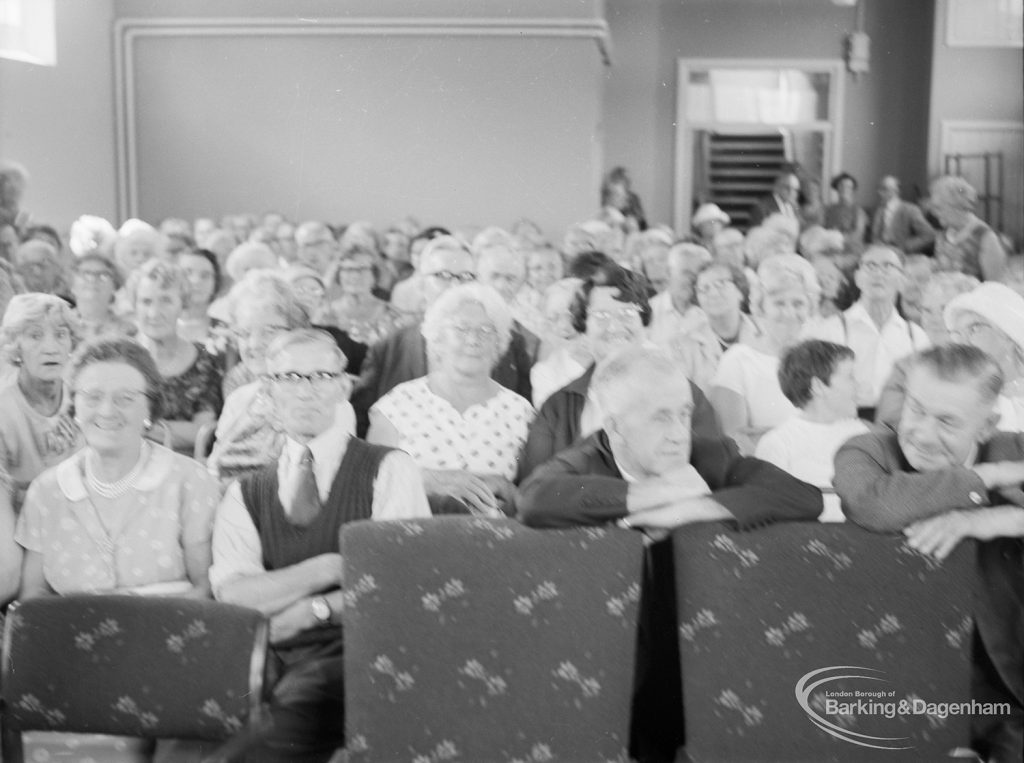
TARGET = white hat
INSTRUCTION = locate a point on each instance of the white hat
(708, 212)
(995, 302)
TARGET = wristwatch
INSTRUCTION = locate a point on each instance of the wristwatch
(321, 610)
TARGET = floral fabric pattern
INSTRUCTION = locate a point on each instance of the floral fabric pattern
(196, 389)
(758, 611)
(472, 639)
(142, 666)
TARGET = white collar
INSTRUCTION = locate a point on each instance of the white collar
(858, 312)
(70, 472)
(324, 446)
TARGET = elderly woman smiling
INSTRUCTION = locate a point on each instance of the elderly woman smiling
(122, 514)
(745, 390)
(95, 281)
(460, 426)
(37, 335)
(190, 377)
(357, 311)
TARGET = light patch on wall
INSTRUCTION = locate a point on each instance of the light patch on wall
(28, 31)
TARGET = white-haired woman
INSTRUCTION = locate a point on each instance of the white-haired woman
(745, 390)
(249, 255)
(37, 336)
(967, 244)
(94, 284)
(191, 376)
(460, 426)
(992, 318)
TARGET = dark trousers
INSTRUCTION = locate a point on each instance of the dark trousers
(307, 706)
(997, 738)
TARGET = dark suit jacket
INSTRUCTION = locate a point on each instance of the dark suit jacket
(764, 208)
(557, 425)
(402, 356)
(583, 486)
(881, 491)
(909, 231)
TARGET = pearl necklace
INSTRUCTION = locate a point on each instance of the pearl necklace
(121, 486)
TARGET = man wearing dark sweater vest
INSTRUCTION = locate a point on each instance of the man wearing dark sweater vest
(275, 544)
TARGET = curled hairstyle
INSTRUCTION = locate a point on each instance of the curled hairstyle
(470, 293)
(269, 288)
(165, 275)
(120, 350)
(959, 363)
(206, 254)
(27, 310)
(802, 363)
(632, 288)
(782, 271)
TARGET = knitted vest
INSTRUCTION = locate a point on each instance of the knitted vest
(285, 544)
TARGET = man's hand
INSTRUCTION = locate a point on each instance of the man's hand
(468, 488)
(937, 536)
(291, 620)
(681, 512)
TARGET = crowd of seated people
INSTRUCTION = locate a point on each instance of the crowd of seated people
(196, 409)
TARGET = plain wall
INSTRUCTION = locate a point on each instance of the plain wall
(884, 125)
(59, 121)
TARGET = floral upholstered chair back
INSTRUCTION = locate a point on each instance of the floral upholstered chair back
(783, 630)
(129, 665)
(469, 639)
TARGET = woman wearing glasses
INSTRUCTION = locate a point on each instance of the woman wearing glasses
(722, 291)
(123, 513)
(95, 281)
(37, 336)
(357, 311)
(462, 428)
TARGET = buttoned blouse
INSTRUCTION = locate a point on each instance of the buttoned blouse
(484, 439)
(172, 505)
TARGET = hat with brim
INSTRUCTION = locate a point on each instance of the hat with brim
(707, 213)
(995, 302)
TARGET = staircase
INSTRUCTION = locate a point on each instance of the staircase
(738, 169)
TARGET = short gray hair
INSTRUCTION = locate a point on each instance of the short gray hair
(241, 254)
(267, 287)
(295, 337)
(962, 362)
(452, 299)
(781, 271)
(625, 375)
(25, 310)
(166, 275)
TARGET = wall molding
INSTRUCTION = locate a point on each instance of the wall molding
(129, 30)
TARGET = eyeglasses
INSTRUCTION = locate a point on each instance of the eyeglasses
(95, 276)
(483, 333)
(263, 334)
(320, 381)
(355, 269)
(881, 267)
(622, 315)
(709, 286)
(121, 398)
(971, 330)
(448, 276)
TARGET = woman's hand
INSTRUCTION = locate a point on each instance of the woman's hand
(937, 536)
(463, 486)
(504, 491)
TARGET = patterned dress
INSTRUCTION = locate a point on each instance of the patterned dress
(484, 439)
(196, 389)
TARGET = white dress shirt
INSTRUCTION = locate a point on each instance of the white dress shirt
(876, 350)
(397, 494)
